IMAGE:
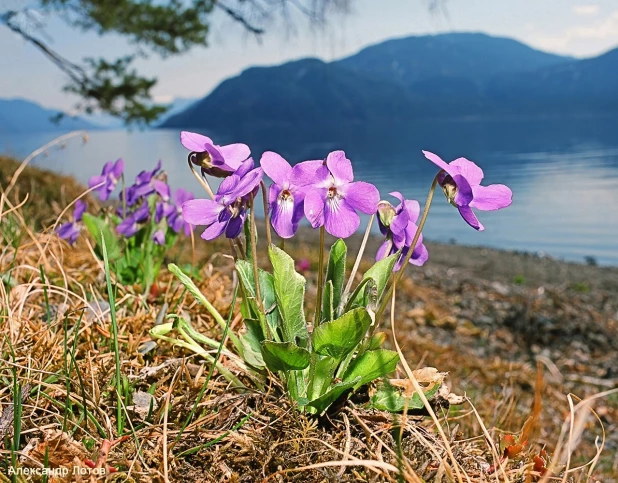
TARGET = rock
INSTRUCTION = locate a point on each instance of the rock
(501, 288)
(142, 403)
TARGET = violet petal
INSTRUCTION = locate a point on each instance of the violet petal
(340, 167)
(438, 161)
(276, 168)
(309, 172)
(464, 196)
(314, 206)
(235, 154)
(213, 231)
(492, 197)
(469, 170)
(282, 215)
(201, 211)
(340, 219)
(470, 218)
(413, 208)
(362, 196)
(194, 141)
(234, 227)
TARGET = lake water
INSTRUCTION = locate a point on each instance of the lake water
(564, 174)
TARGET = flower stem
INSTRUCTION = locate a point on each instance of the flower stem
(266, 217)
(201, 180)
(241, 248)
(417, 235)
(359, 256)
(318, 303)
(124, 198)
(256, 274)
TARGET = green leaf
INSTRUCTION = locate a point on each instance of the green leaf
(373, 343)
(341, 336)
(371, 297)
(379, 273)
(389, 398)
(199, 296)
(322, 375)
(188, 283)
(335, 273)
(322, 403)
(249, 239)
(290, 292)
(96, 226)
(371, 365)
(376, 341)
(267, 292)
(328, 305)
(284, 356)
(250, 340)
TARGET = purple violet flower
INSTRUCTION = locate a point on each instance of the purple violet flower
(286, 194)
(144, 185)
(228, 211)
(163, 208)
(218, 161)
(461, 182)
(70, 231)
(130, 225)
(159, 237)
(175, 219)
(108, 179)
(333, 200)
(398, 225)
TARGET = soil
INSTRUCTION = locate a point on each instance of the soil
(511, 329)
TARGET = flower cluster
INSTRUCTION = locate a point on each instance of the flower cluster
(321, 190)
(339, 352)
(146, 202)
(70, 231)
(137, 229)
(148, 199)
(324, 192)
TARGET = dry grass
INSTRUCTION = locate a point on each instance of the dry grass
(56, 346)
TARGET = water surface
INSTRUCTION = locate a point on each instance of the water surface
(564, 174)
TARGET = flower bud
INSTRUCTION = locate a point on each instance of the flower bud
(204, 161)
(386, 213)
(449, 188)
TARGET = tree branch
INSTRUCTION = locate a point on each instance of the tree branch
(238, 17)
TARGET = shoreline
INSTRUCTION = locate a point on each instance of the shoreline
(477, 261)
(467, 260)
(494, 320)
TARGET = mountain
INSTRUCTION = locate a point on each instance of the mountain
(292, 93)
(584, 87)
(441, 76)
(473, 56)
(20, 115)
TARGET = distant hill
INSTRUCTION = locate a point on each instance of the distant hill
(473, 56)
(20, 115)
(584, 87)
(293, 93)
(439, 76)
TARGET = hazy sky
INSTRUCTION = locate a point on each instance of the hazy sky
(572, 27)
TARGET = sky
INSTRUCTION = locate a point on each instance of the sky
(572, 27)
